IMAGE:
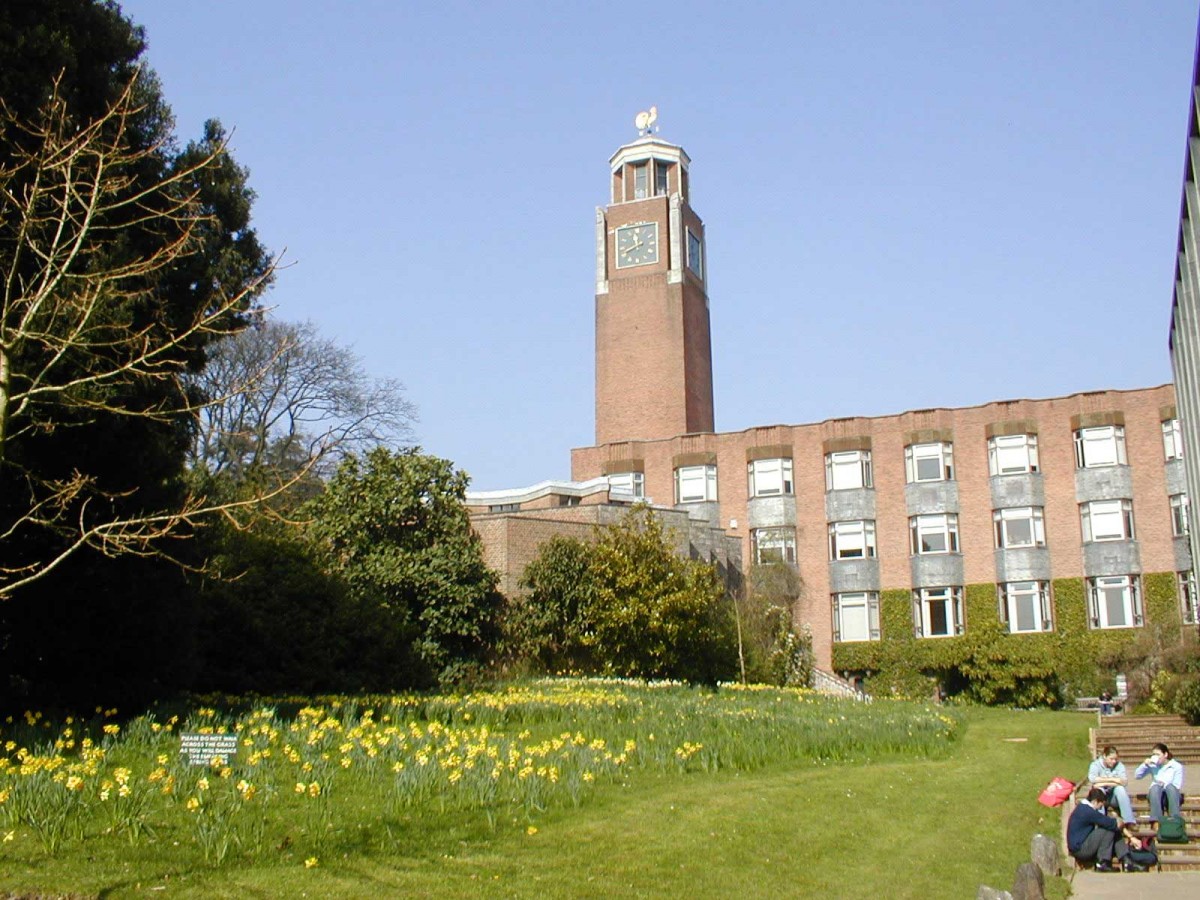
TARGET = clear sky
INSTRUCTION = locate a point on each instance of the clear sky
(907, 205)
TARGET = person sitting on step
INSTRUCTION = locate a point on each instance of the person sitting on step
(1092, 835)
(1167, 773)
(1107, 772)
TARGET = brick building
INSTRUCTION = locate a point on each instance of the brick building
(1013, 495)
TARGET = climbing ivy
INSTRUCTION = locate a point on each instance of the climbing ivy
(986, 664)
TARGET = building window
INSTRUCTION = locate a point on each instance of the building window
(567, 500)
(1020, 526)
(632, 483)
(639, 181)
(504, 507)
(695, 484)
(934, 534)
(1188, 597)
(1025, 606)
(661, 168)
(773, 545)
(856, 617)
(1013, 454)
(1179, 514)
(929, 462)
(1114, 602)
(1107, 520)
(695, 254)
(1172, 439)
(1101, 446)
(770, 477)
(852, 540)
(848, 469)
(937, 612)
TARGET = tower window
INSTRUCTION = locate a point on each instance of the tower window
(660, 177)
(640, 176)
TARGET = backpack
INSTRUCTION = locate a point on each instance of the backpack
(1145, 857)
(1172, 830)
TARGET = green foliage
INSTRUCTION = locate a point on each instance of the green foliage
(988, 665)
(626, 605)
(394, 527)
(775, 650)
(547, 627)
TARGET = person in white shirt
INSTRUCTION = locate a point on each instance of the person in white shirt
(1167, 773)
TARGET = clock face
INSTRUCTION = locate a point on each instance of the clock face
(637, 245)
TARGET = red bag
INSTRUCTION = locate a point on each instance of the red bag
(1056, 792)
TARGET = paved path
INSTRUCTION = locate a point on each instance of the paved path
(1089, 885)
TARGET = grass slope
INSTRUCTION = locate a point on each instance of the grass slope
(894, 829)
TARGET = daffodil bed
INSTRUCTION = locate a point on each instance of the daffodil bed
(333, 778)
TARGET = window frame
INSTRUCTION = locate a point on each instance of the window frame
(1098, 613)
(1172, 439)
(1189, 597)
(637, 483)
(866, 532)
(705, 473)
(952, 609)
(859, 460)
(1180, 514)
(915, 454)
(1099, 436)
(641, 180)
(948, 530)
(868, 601)
(1035, 515)
(783, 466)
(787, 543)
(695, 254)
(1088, 512)
(1001, 445)
(1009, 593)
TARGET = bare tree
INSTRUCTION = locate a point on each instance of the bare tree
(284, 397)
(90, 319)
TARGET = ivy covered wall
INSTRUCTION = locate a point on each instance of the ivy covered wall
(989, 665)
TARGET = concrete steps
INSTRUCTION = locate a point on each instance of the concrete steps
(1133, 736)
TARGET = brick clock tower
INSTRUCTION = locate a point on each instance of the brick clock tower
(653, 347)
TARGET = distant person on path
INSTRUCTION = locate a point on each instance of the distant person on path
(1092, 835)
(1107, 772)
(1167, 773)
(1106, 704)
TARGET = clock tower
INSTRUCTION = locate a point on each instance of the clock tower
(653, 348)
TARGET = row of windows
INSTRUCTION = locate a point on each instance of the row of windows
(1014, 528)
(1024, 607)
(1007, 455)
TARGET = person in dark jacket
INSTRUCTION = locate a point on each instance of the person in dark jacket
(1095, 836)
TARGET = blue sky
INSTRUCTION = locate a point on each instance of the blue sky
(907, 205)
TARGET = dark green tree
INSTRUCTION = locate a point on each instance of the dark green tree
(774, 649)
(627, 605)
(393, 525)
(124, 256)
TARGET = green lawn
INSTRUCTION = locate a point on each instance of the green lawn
(925, 828)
